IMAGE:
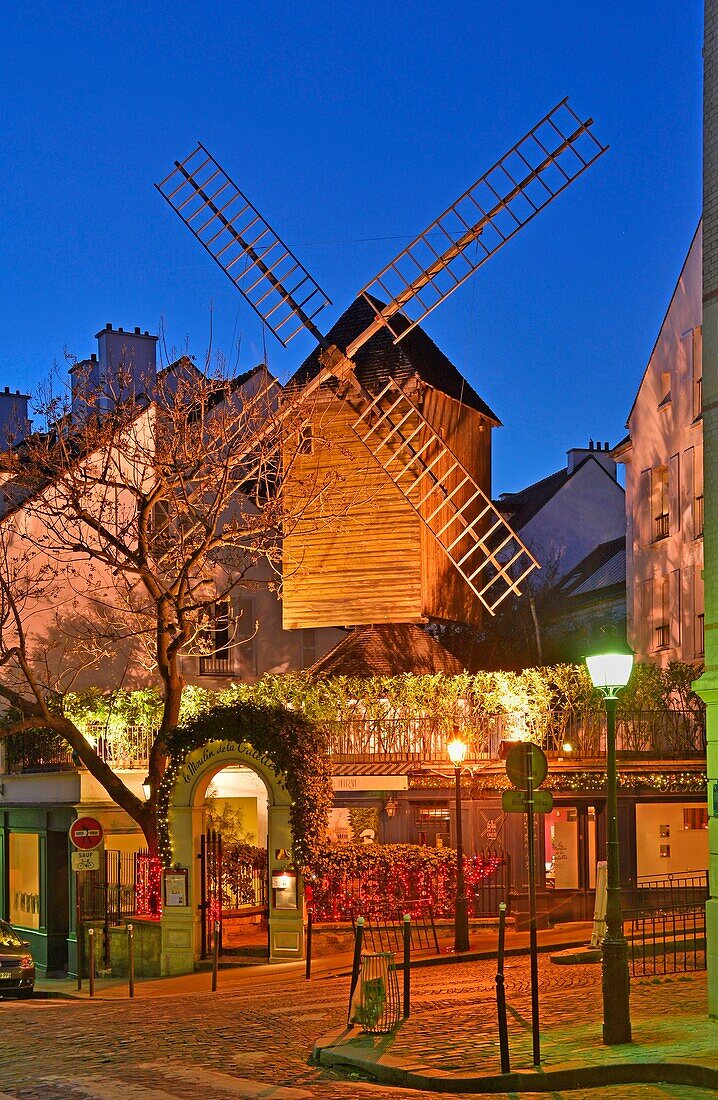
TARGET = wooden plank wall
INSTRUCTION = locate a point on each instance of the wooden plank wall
(354, 555)
(358, 553)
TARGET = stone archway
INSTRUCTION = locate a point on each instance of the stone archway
(181, 924)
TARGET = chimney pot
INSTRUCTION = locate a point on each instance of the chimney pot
(108, 326)
(120, 329)
(137, 330)
(590, 444)
(93, 357)
(7, 389)
(605, 445)
(147, 332)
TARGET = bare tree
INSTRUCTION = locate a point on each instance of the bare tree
(125, 523)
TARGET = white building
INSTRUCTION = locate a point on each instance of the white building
(663, 456)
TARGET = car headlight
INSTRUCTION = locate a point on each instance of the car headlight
(26, 962)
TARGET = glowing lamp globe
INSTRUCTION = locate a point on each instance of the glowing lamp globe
(610, 670)
(457, 751)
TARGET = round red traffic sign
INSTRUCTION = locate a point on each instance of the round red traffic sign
(86, 833)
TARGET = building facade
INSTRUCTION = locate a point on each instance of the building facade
(663, 458)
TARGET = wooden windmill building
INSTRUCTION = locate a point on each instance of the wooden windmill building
(382, 563)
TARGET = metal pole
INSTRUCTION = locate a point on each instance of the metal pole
(215, 956)
(131, 958)
(356, 962)
(461, 911)
(533, 942)
(615, 978)
(501, 993)
(91, 965)
(202, 857)
(308, 970)
(407, 965)
(78, 930)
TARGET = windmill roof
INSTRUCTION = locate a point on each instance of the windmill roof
(386, 650)
(380, 357)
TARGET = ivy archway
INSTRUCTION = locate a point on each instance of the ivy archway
(295, 748)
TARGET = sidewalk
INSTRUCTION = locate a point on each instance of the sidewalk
(673, 1042)
(483, 946)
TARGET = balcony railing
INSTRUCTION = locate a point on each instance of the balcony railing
(662, 634)
(664, 734)
(661, 526)
(125, 749)
(698, 514)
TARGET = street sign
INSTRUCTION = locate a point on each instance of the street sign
(523, 758)
(516, 802)
(86, 833)
(86, 861)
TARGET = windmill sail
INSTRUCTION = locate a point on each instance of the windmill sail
(473, 535)
(277, 286)
(554, 153)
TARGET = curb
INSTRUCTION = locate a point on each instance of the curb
(389, 1070)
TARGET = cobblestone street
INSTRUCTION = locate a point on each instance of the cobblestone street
(254, 1041)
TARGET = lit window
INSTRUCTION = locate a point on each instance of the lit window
(695, 818)
(659, 501)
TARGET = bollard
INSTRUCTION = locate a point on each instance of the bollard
(407, 965)
(308, 971)
(131, 958)
(356, 962)
(501, 994)
(215, 956)
(91, 964)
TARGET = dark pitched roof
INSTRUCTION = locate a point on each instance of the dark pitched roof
(381, 357)
(523, 506)
(604, 567)
(386, 650)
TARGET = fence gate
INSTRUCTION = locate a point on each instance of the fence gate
(234, 888)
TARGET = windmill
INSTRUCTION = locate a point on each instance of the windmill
(387, 417)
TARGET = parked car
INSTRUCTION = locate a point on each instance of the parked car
(17, 966)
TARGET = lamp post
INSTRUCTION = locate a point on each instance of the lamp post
(457, 752)
(609, 673)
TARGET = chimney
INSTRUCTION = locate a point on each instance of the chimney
(600, 453)
(124, 369)
(14, 423)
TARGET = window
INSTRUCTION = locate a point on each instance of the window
(306, 440)
(695, 817)
(218, 660)
(24, 879)
(433, 823)
(659, 500)
(661, 627)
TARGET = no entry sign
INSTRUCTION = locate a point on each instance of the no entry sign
(86, 833)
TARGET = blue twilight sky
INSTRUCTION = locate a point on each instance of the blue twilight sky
(351, 126)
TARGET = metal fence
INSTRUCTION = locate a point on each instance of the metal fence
(667, 891)
(126, 885)
(667, 941)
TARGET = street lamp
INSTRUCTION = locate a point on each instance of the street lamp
(457, 752)
(147, 788)
(609, 673)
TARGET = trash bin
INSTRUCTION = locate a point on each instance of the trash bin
(376, 1004)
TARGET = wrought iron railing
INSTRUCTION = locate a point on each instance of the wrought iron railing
(662, 734)
(128, 748)
(667, 940)
(661, 526)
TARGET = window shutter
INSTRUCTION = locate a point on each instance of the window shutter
(674, 494)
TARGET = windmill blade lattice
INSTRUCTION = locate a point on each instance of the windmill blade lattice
(274, 282)
(555, 152)
(473, 534)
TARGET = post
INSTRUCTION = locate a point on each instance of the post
(308, 970)
(356, 963)
(78, 931)
(91, 963)
(203, 905)
(215, 956)
(501, 993)
(615, 979)
(461, 911)
(533, 942)
(407, 965)
(131, 958)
